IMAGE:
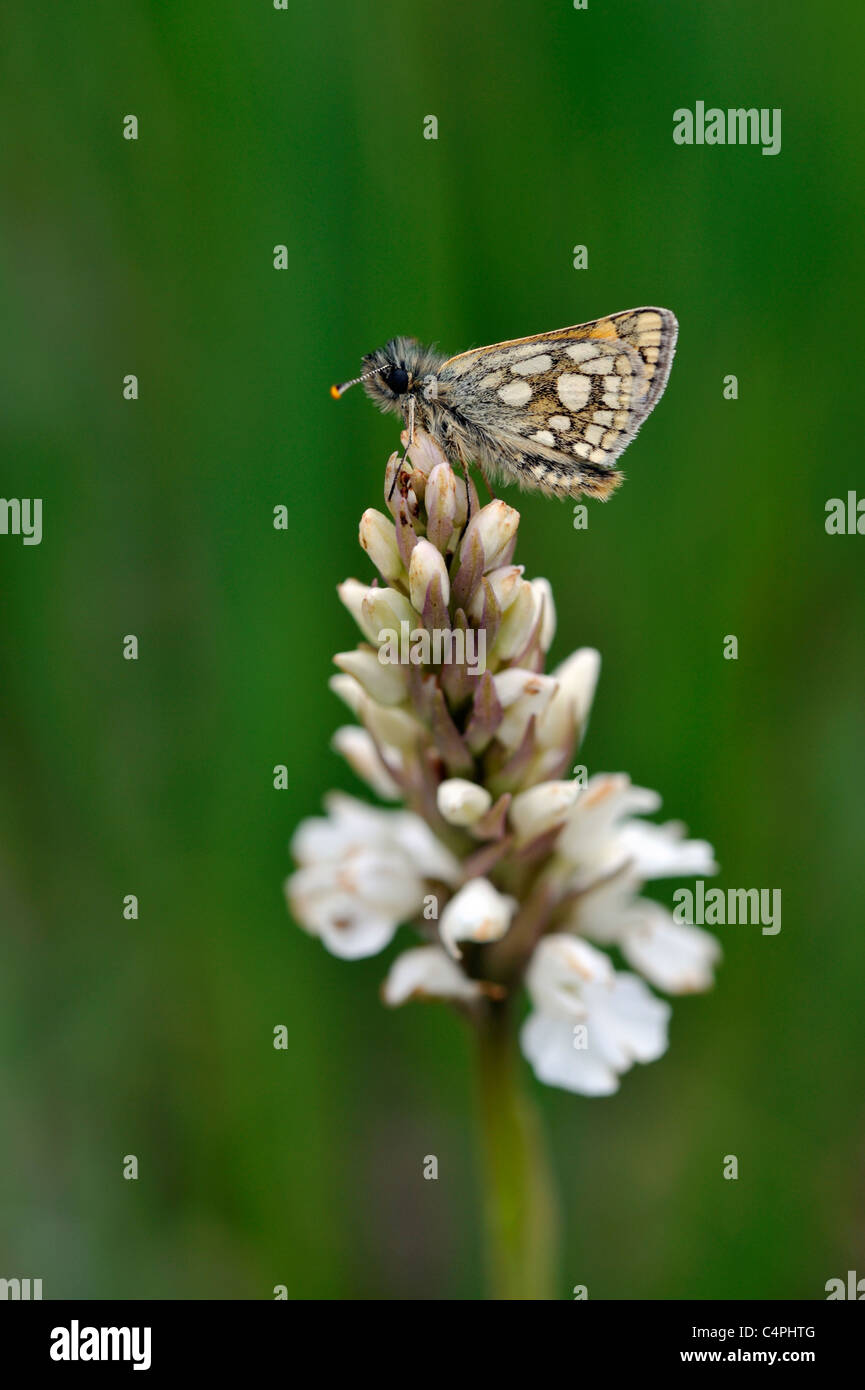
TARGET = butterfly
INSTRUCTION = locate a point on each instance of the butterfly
(551, 412)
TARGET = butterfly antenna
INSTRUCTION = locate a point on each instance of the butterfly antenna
(337, 391)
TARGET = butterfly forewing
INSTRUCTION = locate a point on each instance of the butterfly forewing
(576, 394)
(652, 333)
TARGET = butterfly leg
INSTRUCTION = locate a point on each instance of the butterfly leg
(409, 442)
(468, 492)
(487, 483)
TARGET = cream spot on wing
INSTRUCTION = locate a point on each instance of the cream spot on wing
(573, 390)
(620, 419)
(612, 398)
(623, 365)
(559, 422)
(524, 350)
(544, 437)
(598, 366)
(609, 439)
(597, 456)
(582, 450)
(542, 363)
(515, 393)
(593, 433)
(603, 417)
(460, 365)
(581, 352)
(491, 381)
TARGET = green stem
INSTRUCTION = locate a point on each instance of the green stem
(519, 1204)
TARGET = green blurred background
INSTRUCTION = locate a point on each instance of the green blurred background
(155, 257)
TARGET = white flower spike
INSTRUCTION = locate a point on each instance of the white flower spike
(512, 871)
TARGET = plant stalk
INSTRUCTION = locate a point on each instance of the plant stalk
(518, 1191)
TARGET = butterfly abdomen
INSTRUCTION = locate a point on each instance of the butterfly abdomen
(536, 471)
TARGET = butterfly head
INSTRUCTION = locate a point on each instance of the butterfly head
(393, 372)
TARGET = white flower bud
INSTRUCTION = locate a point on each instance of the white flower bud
(517, 624)
(540, 808)
(378, 538)
(461, 802)
(496, 525)
(425, 454)
(357, 747)
(386, 683)
(544, 594)
(478, 912)
(521, 694)
(506, 583)
(576, 679)
(441, 505)
(426, 565)
(349, 690)
(391, 725)
(385, 609)
(352, 594)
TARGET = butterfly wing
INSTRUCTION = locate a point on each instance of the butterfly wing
(574, 396)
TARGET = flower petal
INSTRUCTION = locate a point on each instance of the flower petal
(590, 1022)
(661, 851)
(674, 957)
(348, 927)
(627, 1022)
(427, 972)
(548, 1044)
(591, 839)
(362, 872)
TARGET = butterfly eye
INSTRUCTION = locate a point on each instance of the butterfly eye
(397, 380)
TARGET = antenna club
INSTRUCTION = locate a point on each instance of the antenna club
(335, 392)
